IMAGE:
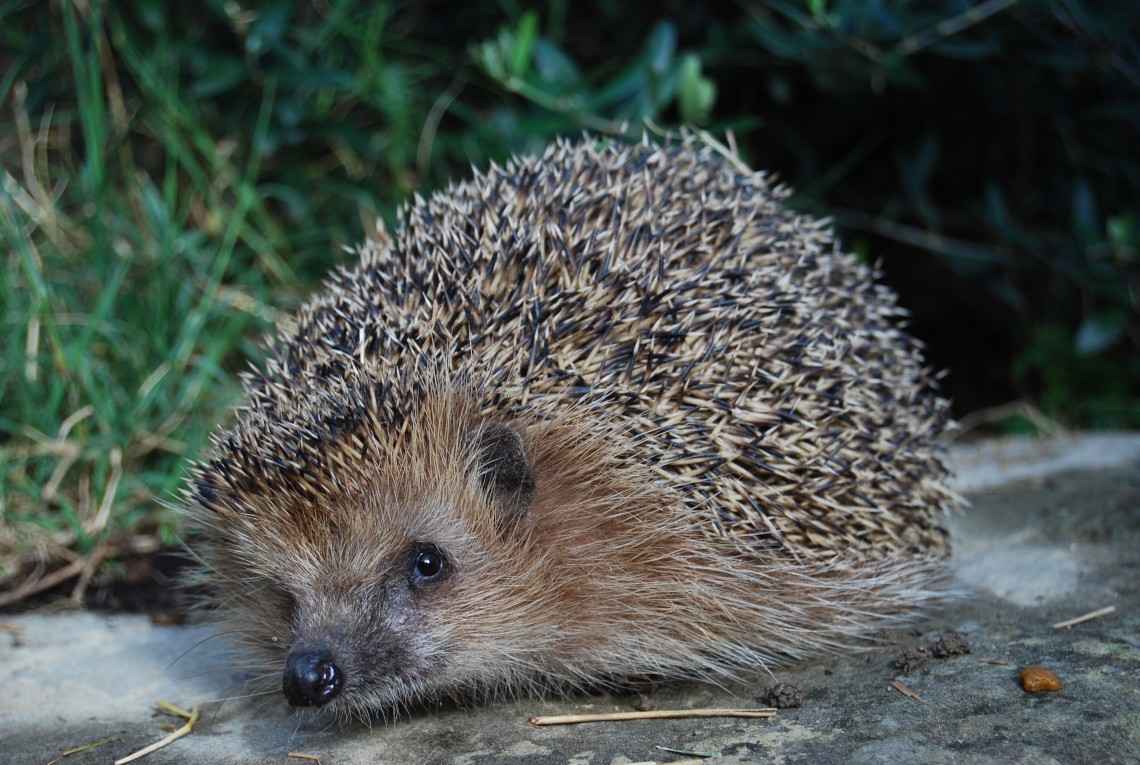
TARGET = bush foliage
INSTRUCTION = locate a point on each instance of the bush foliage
(176, 173)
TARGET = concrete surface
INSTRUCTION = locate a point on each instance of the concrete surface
(1054, 533)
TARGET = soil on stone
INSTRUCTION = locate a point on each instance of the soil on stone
(138, 584)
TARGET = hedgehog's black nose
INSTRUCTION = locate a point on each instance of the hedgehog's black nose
(311, 678)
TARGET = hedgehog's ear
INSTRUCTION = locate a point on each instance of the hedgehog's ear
(503, 471)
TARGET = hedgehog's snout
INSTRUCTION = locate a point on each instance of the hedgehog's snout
(312, 678)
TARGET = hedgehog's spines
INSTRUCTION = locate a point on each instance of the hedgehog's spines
(700, 381)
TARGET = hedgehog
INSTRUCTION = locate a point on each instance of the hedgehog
(607, 414)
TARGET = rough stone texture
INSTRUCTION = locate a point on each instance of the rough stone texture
(1055, 545)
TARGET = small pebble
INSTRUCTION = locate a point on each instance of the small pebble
(951, 644)
(911, 659)
(1038, 679)
(782, 696)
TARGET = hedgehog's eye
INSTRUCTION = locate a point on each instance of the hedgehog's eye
(428, 564)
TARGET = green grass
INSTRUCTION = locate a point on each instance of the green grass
(131, 295)
(169, 185)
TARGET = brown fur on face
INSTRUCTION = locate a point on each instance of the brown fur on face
(651, 422)
(607, 577)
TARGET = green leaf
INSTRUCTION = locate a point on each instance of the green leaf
(1121, 231)
(218, 76)
(696, 93)
(522, 47)
(660, 47)
(489, 55)
(1099, 332)
(269, 28)
(1085, 217)
(555, 68)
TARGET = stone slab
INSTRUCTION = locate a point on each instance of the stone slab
(1054, 532)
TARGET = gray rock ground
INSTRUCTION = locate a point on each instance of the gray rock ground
(1054, 533)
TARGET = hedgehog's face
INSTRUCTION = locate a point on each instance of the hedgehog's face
(405, 598)
(471, 558)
